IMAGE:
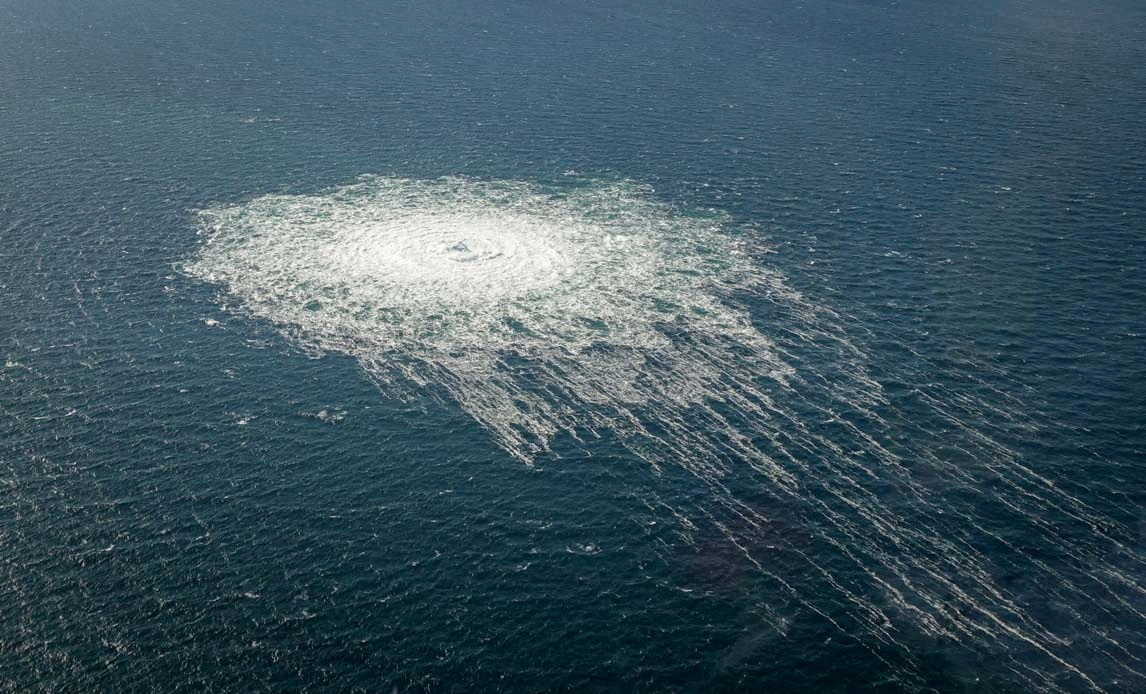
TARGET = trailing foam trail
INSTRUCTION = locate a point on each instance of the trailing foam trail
(595, 309)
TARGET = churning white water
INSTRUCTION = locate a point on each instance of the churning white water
(615, 301)
(595, 309)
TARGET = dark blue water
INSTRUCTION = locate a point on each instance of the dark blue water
(190, 499)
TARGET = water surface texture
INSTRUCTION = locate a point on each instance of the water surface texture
(506, 346)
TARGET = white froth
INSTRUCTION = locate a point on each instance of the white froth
(456, 264)
(595, 309)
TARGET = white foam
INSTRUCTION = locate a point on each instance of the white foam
(441, 281)
(594, 309)
(456, 264)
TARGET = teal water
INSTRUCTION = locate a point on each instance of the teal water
(507, 346)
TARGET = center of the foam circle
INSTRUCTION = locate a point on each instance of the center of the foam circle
(461, 252)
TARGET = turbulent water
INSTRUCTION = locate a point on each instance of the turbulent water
(607, 298)
(593, 309)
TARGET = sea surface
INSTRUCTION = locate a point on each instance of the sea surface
(548, 346)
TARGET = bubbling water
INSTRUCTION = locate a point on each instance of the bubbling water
(438, 282)
(594, 309)
(454, 264)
